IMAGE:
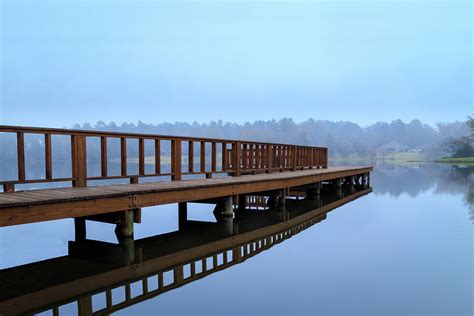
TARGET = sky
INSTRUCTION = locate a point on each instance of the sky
(66, 62)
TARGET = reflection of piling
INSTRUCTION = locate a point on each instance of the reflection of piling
(228, 225)
(228, 215)
(314, 191)
(228, 206)
(366, 180)
(80, 228)
(128, 246)
(182, 215)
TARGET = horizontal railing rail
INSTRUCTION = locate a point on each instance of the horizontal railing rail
(173, 156)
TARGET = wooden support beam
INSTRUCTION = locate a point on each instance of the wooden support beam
(125, 228)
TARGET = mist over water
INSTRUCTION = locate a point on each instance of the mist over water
(405, 249)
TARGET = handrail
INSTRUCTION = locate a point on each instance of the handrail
(235, 157)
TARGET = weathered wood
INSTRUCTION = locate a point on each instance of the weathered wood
(251, 164)
(103, 156)
(213, 157)
(48, 160)
(224, 156)
(141, 156)
(78, 159)
(191, 156)
(42, 205)
(202, 157)
(157, 156)
(20, 143)
(269, 157)
(123, 156)
(176, 160)
(244, 156)
(236, 158)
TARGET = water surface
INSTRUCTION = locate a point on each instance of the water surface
(405, 249)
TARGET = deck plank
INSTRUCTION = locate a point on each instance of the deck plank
(47, 204)
(55, 195)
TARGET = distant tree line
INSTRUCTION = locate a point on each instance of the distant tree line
(342, 138)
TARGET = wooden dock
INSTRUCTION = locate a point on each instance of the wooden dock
(230, 171)
(43, 205)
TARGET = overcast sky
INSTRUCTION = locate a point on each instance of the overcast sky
(66, 62)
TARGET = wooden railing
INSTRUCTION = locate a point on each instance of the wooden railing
(214, 156)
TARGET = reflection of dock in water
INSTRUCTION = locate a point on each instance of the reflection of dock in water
(164, 262)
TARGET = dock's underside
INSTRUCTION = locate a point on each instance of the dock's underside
(44, 205)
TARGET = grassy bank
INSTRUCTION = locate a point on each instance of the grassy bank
(398, 158)
(462, 160)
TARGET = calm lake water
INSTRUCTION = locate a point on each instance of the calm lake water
(404, 249)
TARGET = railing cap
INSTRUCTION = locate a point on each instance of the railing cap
(64, 131)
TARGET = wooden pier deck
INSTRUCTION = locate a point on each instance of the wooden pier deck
(230, 171)
(50, 204)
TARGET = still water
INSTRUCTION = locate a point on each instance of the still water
(404, 249)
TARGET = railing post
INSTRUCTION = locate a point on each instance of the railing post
(123, 156)
(176, 159)
(224, 156)
(79, 160)
(141, 156)
(20, 144)
(79, 174)
(325, 159)
(269, 158)
(48, 157)
(294, 160)
(103, 156)
(236, 158)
